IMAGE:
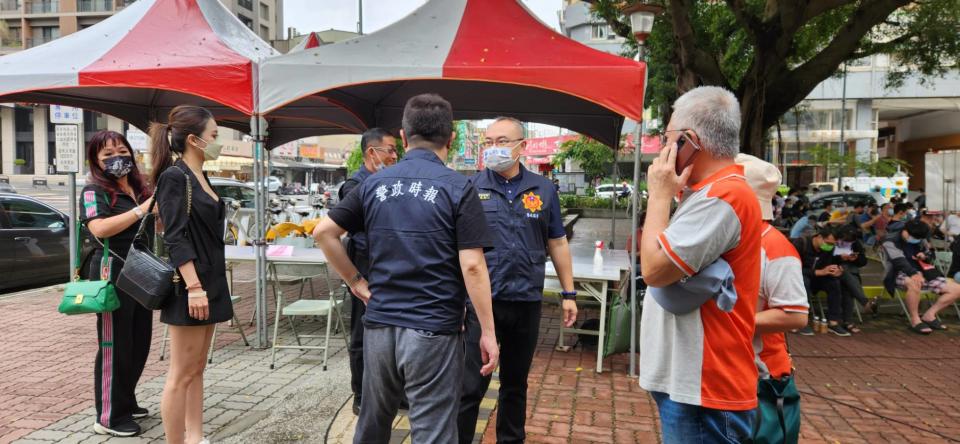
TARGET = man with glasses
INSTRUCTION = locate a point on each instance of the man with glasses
(379, 152)
(699, 366)
(522, 210)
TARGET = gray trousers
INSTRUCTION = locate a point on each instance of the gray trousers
(427, 368)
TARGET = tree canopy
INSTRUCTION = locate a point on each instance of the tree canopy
(593, 156)
(773, 53)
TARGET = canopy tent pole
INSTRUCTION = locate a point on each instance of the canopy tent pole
(257, 128)
(637, 203)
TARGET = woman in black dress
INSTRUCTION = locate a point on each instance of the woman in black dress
(114, 200)
(193, 233)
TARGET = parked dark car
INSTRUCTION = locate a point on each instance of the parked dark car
(34, 243)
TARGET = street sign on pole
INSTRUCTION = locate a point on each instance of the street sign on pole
(137, 139)
(68, 148)
(66, 115)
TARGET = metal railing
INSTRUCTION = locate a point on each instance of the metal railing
(95, 5)
(42, 6)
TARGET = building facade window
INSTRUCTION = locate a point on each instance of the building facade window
(247, 21)
(602, 32)
(264, 11)
(246, 4)
(93, 122)
(43, 7)
(23, 128)
(265, 33)
(44, 34)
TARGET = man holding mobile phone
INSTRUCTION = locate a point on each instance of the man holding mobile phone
(699, 366)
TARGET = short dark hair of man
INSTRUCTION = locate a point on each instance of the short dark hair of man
(917, 229)
(826, 231)
(900, 208)
(428, 118)
(371, 136)
(850, 233)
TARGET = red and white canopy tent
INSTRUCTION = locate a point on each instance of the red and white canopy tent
(487, 57)
(154, 55)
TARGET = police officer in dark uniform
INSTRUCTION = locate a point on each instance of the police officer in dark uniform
(379, 151)
(427, 234)
(523, 211)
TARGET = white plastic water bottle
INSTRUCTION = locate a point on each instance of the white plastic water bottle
(598, 257)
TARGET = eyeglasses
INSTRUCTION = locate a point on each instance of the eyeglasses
(502, 141)
(681, 140)
(388, 149)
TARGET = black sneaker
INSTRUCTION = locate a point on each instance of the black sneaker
(838, 330)
(140, 412)
(128, 428)
(805, 331)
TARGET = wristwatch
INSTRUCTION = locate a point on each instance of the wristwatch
(138, 212)
(569, 295)
(356, 278)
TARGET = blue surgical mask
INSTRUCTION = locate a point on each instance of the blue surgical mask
(498, 158)
(912, 240)
(890, 212)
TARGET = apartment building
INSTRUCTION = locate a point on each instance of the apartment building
(26, 134)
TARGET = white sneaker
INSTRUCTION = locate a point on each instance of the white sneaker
(204, 441)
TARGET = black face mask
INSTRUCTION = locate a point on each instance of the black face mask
(117, 166)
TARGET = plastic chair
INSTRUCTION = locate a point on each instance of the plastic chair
(329, 308)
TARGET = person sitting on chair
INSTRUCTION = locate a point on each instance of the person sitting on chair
(911, 269)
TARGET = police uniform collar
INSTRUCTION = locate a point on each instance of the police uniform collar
(422, 153)
(502, 180)
(362, 172)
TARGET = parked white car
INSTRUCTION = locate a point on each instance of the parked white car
(273, 184)
(608, 190)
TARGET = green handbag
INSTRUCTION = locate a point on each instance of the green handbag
(618, 328)
(80, 297)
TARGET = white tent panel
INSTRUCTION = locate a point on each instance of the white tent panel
(291, 76)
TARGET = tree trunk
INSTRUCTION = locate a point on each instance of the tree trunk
(752, 128)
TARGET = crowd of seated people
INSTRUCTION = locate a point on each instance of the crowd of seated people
(835, 241)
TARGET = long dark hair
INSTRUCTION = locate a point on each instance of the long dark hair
(98, 177)
(171, 137)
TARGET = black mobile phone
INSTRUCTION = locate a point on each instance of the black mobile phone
(686, 152)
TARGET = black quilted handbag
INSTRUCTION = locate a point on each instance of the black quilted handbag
(148, 279)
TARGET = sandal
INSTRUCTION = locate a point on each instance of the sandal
(935, 324)
(852, 328)
(921, 328)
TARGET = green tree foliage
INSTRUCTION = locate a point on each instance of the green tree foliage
(593, 156)
(772, 53)
(354, 160)
(830, 157)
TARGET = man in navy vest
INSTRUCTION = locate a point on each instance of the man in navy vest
(379, 151)
(522, 209)
(427, 234)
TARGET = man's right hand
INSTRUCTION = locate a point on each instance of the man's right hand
(361, 290)
(489, 353)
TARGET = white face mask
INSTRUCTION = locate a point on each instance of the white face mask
(379, 165)
(499, 158)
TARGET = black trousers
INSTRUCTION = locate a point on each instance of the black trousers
(518, 328)
(852, 285)
(839, 304)
(124, 336)
(357, 310)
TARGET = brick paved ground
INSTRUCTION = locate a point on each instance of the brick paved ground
(46, 363)
(845, 384)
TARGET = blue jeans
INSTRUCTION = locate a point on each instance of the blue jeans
(685, 423)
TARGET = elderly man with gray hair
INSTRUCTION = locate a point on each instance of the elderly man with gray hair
(699, 365)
